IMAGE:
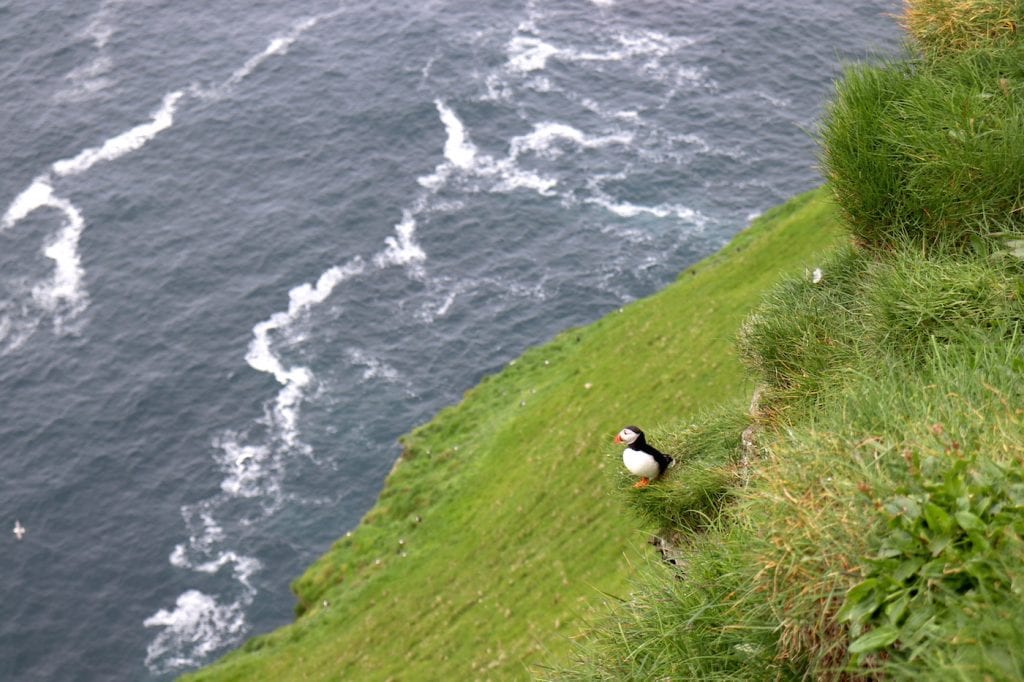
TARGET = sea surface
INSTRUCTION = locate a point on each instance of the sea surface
(244, 246)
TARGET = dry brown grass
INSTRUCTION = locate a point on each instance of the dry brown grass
(816, 530)
(954, 25)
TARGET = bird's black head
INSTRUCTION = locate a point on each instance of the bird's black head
(629, 435)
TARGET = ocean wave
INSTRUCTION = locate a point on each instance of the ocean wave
(63, 296)
(626, 209)
(457, 147)
(277, 46)
(294, 380)
(528, 53)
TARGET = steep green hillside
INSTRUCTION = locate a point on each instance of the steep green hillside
(499, 528)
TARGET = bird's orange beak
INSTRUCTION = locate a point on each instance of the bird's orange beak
(617, 439)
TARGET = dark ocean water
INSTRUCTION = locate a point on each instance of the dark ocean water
(246, 245)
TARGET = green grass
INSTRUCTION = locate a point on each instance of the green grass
(930, 150)
(503, 524)
(880, 534)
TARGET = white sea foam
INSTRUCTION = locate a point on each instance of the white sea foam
(459, 151)
(261, 356)
(512, 178)
(545, 136)
(691, 74)
(64, 289)
(63, 295)
(446, 305)
(527, 54)
(200, 624)
(457, 147)
(278, 45)
(246, 470)
(196, 627)
(36, 195)
(401, 249)
(626, 209)
(128, 141)
(243, 567)
(498, 89)
(650, 43)
(373, 367)
(179, 557)
(462, 155)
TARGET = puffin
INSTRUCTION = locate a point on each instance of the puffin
(640, 457)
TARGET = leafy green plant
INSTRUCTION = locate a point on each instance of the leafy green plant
(941, 535)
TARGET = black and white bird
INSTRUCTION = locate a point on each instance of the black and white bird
(640, 457)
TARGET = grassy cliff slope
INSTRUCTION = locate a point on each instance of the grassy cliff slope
(499, 527)
(871, 524)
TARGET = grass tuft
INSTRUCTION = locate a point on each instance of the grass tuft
(689, 497)
(929, 152)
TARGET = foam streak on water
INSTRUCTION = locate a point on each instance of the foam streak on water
(63, 296)
(129, 141)
(201, 623)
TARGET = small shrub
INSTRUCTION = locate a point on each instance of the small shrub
(710, 626)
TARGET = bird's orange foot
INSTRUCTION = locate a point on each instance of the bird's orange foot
(642, 483)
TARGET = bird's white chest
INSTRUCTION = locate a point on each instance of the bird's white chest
(640, 463)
